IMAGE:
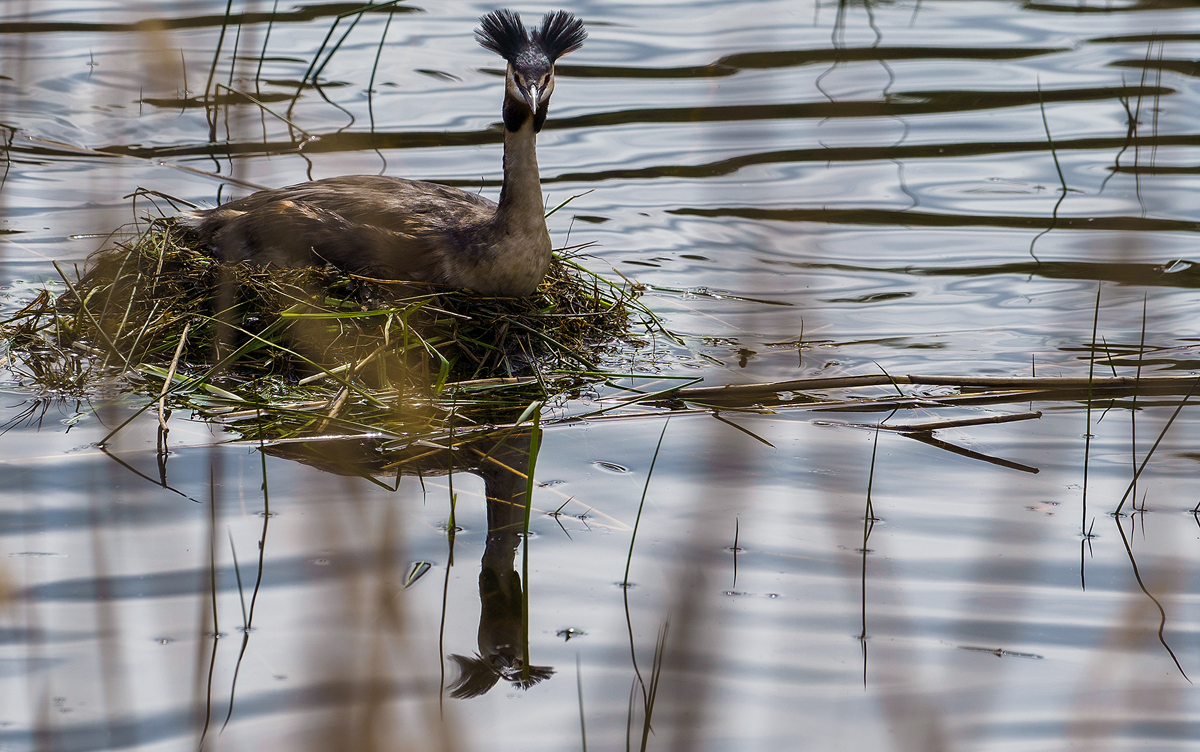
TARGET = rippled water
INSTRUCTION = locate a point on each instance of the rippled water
(806, 190)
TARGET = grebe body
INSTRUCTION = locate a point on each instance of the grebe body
(394, 228)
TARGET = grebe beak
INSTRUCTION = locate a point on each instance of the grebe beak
(531, 97)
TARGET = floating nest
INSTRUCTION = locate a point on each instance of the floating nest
(314, 347)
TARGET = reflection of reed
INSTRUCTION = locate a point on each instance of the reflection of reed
(375, 688)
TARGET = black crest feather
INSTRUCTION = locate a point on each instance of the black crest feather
(561, 33)
(502, 32)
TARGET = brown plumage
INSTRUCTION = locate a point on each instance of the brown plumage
(407, 229)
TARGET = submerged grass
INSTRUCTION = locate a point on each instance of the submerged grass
(285, 353)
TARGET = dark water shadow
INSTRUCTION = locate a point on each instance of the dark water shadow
(300, 14)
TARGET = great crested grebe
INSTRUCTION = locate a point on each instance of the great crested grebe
(412, 230)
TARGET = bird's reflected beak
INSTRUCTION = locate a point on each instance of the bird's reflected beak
(531, 98)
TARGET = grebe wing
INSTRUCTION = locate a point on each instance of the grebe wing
(391, 226)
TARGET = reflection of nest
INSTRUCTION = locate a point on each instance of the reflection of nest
(477, 675)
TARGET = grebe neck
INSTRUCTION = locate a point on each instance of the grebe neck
(521, 209)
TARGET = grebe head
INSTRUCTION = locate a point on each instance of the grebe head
(531, 56)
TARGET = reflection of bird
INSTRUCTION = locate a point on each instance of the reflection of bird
(478, 675)
(503, 631)
(412, 230)
(502, 464)
(501, 624)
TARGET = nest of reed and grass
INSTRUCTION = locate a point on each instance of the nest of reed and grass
(287, 353)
